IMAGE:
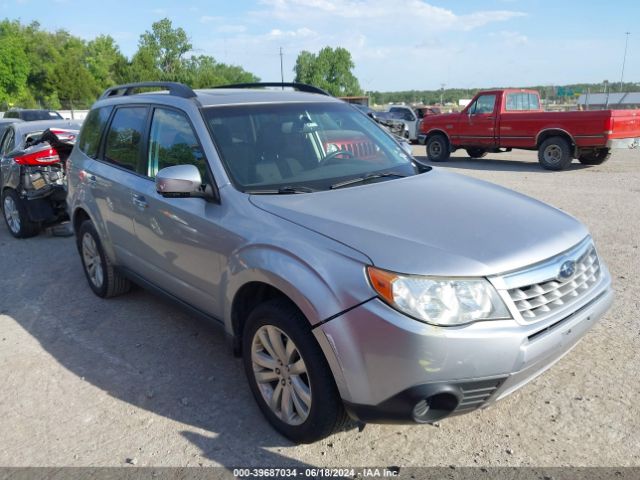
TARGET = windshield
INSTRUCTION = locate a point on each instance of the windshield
(310, 145)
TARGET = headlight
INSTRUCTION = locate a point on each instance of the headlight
(439, 301)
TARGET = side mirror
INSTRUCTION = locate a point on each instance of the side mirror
(179, 181)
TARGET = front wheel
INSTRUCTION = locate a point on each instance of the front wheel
(16, 215)
(476, 152)
(438, 148)
(555, 153)
(288, 374)
(597, 157)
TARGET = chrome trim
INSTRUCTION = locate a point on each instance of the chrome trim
(547, 271)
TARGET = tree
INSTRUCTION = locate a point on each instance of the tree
(105, 61)
(331, 69)
(203, 71)
(14, 64)
(160, 52)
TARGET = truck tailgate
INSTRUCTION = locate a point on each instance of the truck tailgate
(625, 124)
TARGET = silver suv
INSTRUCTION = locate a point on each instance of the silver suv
(351, 282)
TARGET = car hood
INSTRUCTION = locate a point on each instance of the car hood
(437, 223)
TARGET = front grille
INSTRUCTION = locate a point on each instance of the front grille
(475, 394)
(359, 149)
(539, 299)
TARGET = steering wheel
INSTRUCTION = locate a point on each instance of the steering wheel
(333, 155)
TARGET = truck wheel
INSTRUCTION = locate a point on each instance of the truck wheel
(288, 374)
(476, 152)
(438, 148)
(16, 216)
(103, 279)
(555, 153)
(597, 157)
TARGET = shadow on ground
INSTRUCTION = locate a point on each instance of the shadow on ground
(495, 164)
(139, 349)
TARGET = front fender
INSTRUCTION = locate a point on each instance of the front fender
(321, 283)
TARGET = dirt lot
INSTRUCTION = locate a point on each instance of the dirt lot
(93, 382)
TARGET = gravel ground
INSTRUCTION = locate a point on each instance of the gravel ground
(134, 380)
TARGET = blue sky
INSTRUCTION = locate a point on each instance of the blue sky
(396, 44)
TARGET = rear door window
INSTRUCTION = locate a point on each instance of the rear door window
(123, 145)
(7, 142)
(89, 141)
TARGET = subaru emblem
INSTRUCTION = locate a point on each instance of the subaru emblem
(567, 269)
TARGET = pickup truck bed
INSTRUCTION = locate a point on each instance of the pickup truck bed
(501, 120)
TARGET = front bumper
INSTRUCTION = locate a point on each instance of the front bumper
(385, 363)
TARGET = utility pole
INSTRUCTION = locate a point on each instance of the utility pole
(281, 70)
(624, 58)
(442, 85)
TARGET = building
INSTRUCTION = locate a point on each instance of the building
(603, 101)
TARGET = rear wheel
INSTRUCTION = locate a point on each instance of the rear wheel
(288, 374)
(103, 279)
(438, 148)
(555, 153)
(476, 152)
(16, 216)
(596, 157)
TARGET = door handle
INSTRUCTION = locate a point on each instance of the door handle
(92, 180)
(140, 202)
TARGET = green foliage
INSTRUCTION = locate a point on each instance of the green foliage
(330, 69)
(14, 64)
(40, 69)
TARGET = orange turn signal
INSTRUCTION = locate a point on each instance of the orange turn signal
(382, 282)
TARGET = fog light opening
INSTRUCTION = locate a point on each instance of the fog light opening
(435, 407)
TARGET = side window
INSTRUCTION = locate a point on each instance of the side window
(534, 101)
(173, 142)
(123, 145)
(89, 141)
(484, 104)
(7, 142)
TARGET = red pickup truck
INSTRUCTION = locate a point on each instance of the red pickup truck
(501, 120)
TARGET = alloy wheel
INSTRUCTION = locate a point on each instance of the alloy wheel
(11, 214)
(92, 260)
(281, 375)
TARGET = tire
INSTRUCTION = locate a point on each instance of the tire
(555, 154)
(438, 148)
(476, 152)
(103, 279)
(278, 320)
(597, 157)
(16, 217)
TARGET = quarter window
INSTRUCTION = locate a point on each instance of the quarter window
(173, 142)
(517, 102)
(123, 143)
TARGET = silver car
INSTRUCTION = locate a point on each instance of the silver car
(353, 283)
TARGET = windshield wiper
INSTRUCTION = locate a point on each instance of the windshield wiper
(366, 178)
(286, 190)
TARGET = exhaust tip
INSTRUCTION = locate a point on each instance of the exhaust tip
(435, 407)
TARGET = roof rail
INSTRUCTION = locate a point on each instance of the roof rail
(175, 88)
(302, 87)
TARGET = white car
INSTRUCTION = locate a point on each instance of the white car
(409, 117)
